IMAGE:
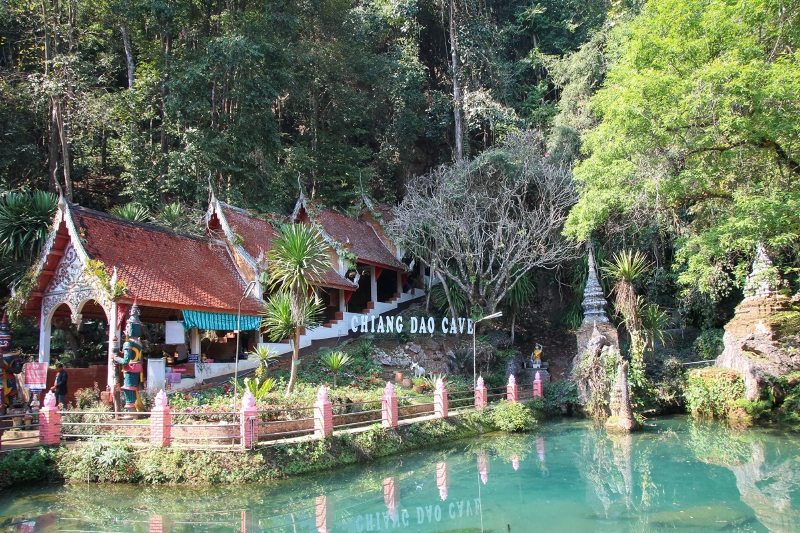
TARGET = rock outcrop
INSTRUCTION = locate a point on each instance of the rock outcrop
(760, 341)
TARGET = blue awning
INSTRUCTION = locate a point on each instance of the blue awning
(220, 321)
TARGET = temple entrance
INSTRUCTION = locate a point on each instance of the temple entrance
(387, 285)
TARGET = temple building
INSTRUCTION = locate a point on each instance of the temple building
(95, 266)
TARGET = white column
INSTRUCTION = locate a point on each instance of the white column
(113, 343)
(373, 285)
(342, 303)
(44, 338)
(399, 282)
(194, 341)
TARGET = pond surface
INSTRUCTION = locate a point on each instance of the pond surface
(568, 477)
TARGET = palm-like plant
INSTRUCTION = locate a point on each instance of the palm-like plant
(654, 321)
(258, 388)
(131, 211)
(335, 361)
(297, 259)
(25, 220)
(265, 356)
(626, 268)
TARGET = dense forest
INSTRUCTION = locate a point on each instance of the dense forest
(678, 119)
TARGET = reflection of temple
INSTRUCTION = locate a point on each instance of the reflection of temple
(95, 265)
(766, 485)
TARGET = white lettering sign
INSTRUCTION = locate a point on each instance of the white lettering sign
(417, 324)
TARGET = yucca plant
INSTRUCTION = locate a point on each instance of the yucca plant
(25, 220)
(335, 362)
(258, 388)
(299, 256)
(265, 357)
(654, 321)
(626, 268)
(131, 211)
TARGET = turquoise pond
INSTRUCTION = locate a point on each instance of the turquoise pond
(567, 477)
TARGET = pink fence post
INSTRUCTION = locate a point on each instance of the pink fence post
(323, 414)
(537, 386)
(481, 394)
(389, 407)
(49, 421)
(440, 401)
(248, 422)
(161, 421)
(512, 390)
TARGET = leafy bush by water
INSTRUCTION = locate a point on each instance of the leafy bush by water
(513, 416)
(26, 467)
(713, 392)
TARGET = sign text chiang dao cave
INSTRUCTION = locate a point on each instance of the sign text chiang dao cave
(414, 324)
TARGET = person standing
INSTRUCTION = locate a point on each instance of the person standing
(59, 388)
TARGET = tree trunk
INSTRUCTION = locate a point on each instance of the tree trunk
(65, 160)
(513, 323)
(295, 362)
(126, 43)
(446, 289)
(52, 148)
(457, 118)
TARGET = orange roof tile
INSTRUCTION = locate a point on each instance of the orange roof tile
(258, 235)
(163, 267)
(366, 244)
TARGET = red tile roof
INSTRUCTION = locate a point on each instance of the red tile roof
(258, 235)
(366, 244)
(159, 266)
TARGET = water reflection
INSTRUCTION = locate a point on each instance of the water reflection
(570, 477)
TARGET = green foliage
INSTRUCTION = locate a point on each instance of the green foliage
(132, 211)
(265, 357)
(708, 345)
(335, 361)
(713, 392)
(559, 397)
(513, 416)
(22, 468)
(697, 137)
(259, 388)
(98, 460)
(25, 220)
(626, 268)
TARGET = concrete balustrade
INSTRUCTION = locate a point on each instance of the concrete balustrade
(537, 386)
(512, 389)
(49, 421)
(161, 421)
(481, 394)
(323, 414)
(440, 401)
(389, 410)
(248, 421)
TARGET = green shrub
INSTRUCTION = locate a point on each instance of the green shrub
(98, 460)
(708, 345)
(713, 392)
(513, 416)
(25, 467)
(559, 396)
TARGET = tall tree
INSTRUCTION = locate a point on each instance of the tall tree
(485, 224)
(699, 133)
(297, 259)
